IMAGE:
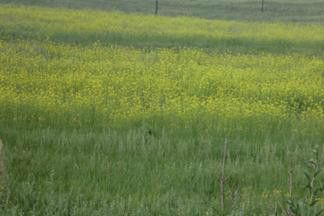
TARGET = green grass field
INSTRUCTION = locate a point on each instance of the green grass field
(108, 113)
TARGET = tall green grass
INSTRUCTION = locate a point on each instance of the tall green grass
(115, 114)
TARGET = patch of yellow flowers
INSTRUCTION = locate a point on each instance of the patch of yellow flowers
(43, 79)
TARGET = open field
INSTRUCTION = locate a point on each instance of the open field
(117, 114)
(250, 10)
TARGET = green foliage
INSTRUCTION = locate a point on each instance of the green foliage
(115, 114)
(314, 189)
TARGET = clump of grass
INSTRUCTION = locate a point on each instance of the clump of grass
(2, 171)
(2, 166)
(313, 190)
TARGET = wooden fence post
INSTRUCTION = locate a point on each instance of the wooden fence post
(262, 5)
(156, 7)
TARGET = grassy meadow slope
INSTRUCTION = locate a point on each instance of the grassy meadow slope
(116, 114)
(275, 10)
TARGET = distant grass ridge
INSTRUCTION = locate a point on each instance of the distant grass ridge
(87, 27)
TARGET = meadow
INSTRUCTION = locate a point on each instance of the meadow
(108, 113)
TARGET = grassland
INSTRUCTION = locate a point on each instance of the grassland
(117, 114)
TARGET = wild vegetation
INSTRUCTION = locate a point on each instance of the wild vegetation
(118, 114)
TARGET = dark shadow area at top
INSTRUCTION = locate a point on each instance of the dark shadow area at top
(249, 10)
(231, 44)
